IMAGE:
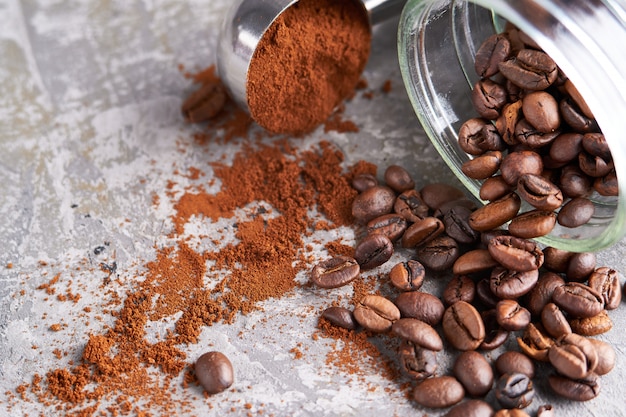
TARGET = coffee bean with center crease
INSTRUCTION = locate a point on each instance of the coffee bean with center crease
(509, 118)
(510, 284)
(496, 213)
(463, 326)
(398, 179)
(606, 281)
(439, 254)
(471, 408)
(514, 390)
(576, 390)
(516, 164)
(340, 317)
(372, 203)
(364, 182)
(410, 205)
(527, 135)
(495, 335)
(541, 110)
(596, 144)
(554, 321)
(459, 288)
(511, 316)
(515, 253)
(541, 293)
(533, 223)
(214, 372)
(473, 134)
(488, 97)
(495, 49)
(578, 299)
(535, 343)
(456, 221)
(575, 118)
(594, 166)
(420, 333)
(530, 69)
(438, 392)
(422, 231)
(407, 276)
(473, 261)
(420, 305)
(510, 362)
(335, 272)
(592, 326)
(474, 373)
(607, 185)
(376, 313)
(374, 250)
(417, 362)
(391, 225)
(539, 192)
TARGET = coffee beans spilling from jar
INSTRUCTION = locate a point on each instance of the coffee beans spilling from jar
(502, 287)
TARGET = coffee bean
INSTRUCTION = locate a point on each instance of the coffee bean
(530, 69)
(214, 372)
(473, 134)
(514, 390)
(417, 362)
(420, 305)
(541, 110)
(484, 294)
(509, 118)
(410, 205)
(496, 213)
(438, 392)
(492, 51)
(494, 188)
(541, 293)
(532, 138)
(514, 412)
(566, 147)
(539, 192)
(546, 411)
(456, 221)
(580, 266)
(495, 335)
(372, 203)
(418, 332)
(511, 362)
(511, 316)
(519, 163)
(391, 225)
(439, 254)
(606, 281)
(576, 118)
(364, 182)
(335, 272)
(340, 317)
(515, 253)
(576, 390)
(596, 144)
(483, 166)
(474, 373)
(398, 179)
(422, 231)
(376, 313)
(471, 408)
(574, 183)
(459, 288)
(535, 343)
(556, 260)
(465, 203)
(436, 194)
(534, 223)
(571, 89)
(592, 326)
(573, 356)
(488, 97)
(205, 103)
(473, 261)
(407, 276)
(607, 185)
(594, 166)
(510, 284)
(374, 250)
(463, 326)
(554, 321)
(578, 300)
(606, 356)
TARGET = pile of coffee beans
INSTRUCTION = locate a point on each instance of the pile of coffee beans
(502, 287)
(534, 140)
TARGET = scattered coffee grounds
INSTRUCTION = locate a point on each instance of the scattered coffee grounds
(306, 63)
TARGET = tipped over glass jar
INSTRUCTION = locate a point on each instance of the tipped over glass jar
(481, 80)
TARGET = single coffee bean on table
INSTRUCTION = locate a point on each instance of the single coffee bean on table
(340, 317)
(438, 392)
(214, 372)
(335, 272)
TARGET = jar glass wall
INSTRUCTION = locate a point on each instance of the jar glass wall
(438, 40)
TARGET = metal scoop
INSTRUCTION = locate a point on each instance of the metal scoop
(244, 26)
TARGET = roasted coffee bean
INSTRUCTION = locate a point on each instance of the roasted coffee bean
(214, 372)
(471, 408)
(418, 332)
(580, 266)
(554, 321)
(573, 182)
(443, 209)
(509, 118)
(459, 288)
(463, 326)
(592, 326)
(556, 260)
(494, 188)
(534, 223)
(340, 317)
(514, 412)
(439, 254)
(364, 182)
(488, 97)
(576, 390)
(511, 316)
(483, 166)
(510, 284)
(607, 185)
(573, 92)
(472, 134)
(578, 299)
(575, 118)
(372, 203)
(436, 194)
(374, 250)
(606, 281)
(539, 192)
(606, 356)
(484, 294)
(541, 293)
(495, 49)
(541, 110)
(438, 392)
(476, 260)
(573, 356)
(407, 276)
(410, 205)
(530, 69)
(595, 144)
(456, 221)
(376, 313)
(417, 362)
(398, 179)
(594, 166)
(474, 373)
(335, 272)
(546, 411)
(534, 343)
(514, 390)
(566, 147)
(515, 253)
(495, 336)
(527, 135)
(511, 362)
(391, 225)
(422, 231)
(485, 237)
(420, 305)
(516, 164)
(205, 103)
(496, 213)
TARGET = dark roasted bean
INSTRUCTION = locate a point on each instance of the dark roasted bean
(472, 135)
(476, 260)
(483, 166)
(509, 284)
(511, 316)
(407, 276)
(484, 293)
(539, 192)
(492, 51)
(376, 313)
(391, 225)
(575, 390)
(534, 223)
(438, 392)
(607, 185)
(335, 272)
(530, 69)
(456, 221)
(398, 179)
(495, 336)
(606, 281)
(410, 205)
(463, 326)
(372, 203)
(439, 254)
(514, 390)
(494, 188)
(519, 163)
(515, 253)
(496, 213)
(573, 182)
(417, 362)
(510, 362)
(417, 332)
(422, 231)
(566, 147)
(575, 118)
(573, 356)
(474, 373)
(488, 97)
(340, 317)
(420, 305)
(509, 118)
(541, 110)
(541, 293)
(364, 182)
(374, 250)
(556, 260)
(527, 135)
(578, 299)
(214, 372)
(580, 266)
(594, 166)
(554, 321)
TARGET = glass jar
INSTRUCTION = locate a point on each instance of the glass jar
(437, 42)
